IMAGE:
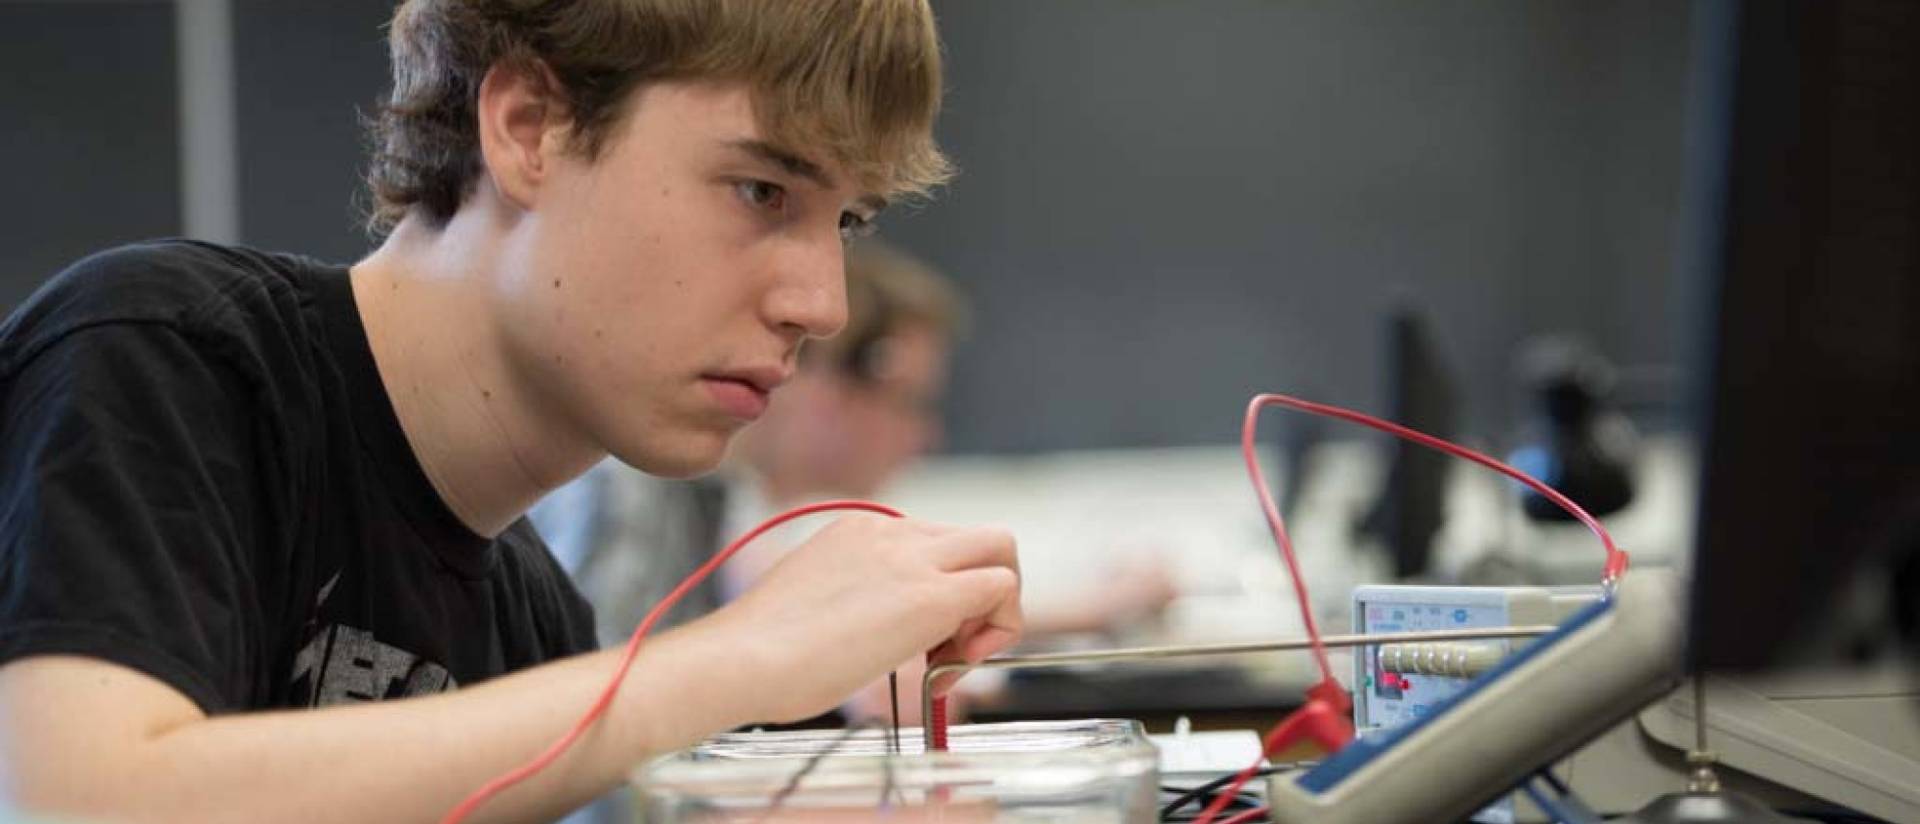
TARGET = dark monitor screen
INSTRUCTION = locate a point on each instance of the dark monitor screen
(1806, 197)
(1421, 395)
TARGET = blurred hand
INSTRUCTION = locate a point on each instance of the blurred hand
(1137, 589)
(860, 598)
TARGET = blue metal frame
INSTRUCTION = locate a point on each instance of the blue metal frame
(1358, 754)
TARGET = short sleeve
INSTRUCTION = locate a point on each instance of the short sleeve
(126, 482)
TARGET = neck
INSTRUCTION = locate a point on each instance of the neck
(487, 443)
(783, 492)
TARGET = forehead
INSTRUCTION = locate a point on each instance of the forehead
(720, 120)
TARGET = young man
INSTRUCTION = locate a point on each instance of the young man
(863, 406)
(235, 484)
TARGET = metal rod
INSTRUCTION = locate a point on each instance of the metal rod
(1063, 659)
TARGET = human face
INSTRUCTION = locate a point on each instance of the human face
(660, 292)
(892, 418)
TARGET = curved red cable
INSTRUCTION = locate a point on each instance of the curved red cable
(491, 788)
(1616, 563)
(1245, 816)
(1278, 527)
(1323, 717)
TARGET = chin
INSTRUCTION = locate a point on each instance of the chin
(693, 454)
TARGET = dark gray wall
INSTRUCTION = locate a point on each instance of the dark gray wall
(1164, 206)
(307, 72)
(88, 128)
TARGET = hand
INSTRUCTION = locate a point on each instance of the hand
(860, 598)
(1137, 589)
(873, 703)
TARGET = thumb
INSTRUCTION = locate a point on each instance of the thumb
(989, 597)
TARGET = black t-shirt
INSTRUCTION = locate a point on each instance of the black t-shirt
(202, 478)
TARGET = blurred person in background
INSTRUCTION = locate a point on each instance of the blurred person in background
(864, 405)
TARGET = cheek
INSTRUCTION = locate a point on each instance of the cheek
(877, 439)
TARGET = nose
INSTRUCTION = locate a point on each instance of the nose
(809, 294)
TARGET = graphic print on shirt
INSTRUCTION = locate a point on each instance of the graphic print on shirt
(343, 664)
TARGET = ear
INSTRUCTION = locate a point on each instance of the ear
(522, 123)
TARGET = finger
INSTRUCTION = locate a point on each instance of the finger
(990, 596)
(925, 529)
(946, 653)
(974, 547)
(988, 641)
(987, 600)
(968, 628)
(978, 647)
(884, 525)
(943, 684)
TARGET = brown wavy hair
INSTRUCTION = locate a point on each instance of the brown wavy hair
(856, 82)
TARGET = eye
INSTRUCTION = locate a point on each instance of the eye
(855, 226)
(761, 194)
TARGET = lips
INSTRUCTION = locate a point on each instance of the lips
(744, 393)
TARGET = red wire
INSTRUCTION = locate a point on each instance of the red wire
(1279, 528)
(491, 788)
(1322, 719)
(1245, 816)
(938, 723)
(1616, 565)
(1616, 562)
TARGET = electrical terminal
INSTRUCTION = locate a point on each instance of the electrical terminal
(1454, 660)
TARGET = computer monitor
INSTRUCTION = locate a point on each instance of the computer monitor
(1421, 395)
(1806, 199)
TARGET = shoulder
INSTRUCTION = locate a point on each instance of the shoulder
(197, 289)
(526, 563)
(530, 572)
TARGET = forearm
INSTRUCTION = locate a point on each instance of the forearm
(413, 759)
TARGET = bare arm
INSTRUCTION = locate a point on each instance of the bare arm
(91, 738)
(86, 738)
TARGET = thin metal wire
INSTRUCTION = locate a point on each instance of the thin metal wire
(1064, 659)
(893, 698)
(1208, 789)
(793, 784)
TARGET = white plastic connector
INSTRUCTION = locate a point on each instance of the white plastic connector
(1453, 659)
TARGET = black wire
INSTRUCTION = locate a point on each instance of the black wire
(1210, 787)
(1192, 817)
(887, 790)
(780, 798)
(1240, 799)
(893, 697)
(886, 782)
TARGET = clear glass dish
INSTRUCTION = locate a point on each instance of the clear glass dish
(1034, 771)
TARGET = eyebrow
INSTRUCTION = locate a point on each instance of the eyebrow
(800, 167)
